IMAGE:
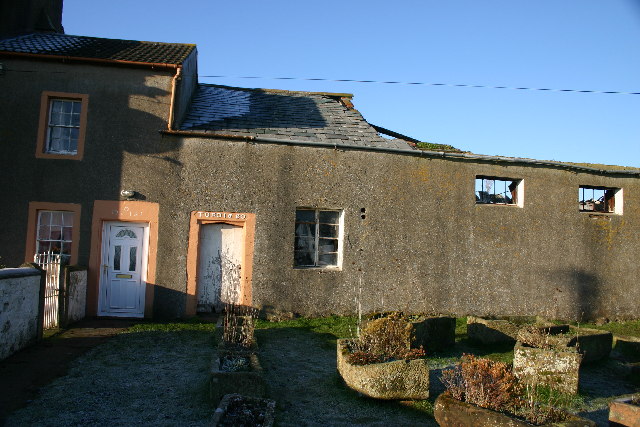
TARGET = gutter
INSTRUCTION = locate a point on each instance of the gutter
(413, 153)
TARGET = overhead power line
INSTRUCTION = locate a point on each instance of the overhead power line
(425, 84)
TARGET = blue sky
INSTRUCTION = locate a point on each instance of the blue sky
(558, 44)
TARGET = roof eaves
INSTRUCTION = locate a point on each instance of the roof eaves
(63, 58)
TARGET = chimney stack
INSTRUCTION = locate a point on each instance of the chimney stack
(29, 16)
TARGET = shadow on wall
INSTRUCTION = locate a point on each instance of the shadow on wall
(168, 303)
(577, 296)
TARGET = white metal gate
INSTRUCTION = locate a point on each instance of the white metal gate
(52, 265)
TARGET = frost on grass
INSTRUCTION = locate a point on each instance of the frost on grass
(141, 378)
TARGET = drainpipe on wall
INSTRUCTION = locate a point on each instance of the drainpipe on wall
(174, 85)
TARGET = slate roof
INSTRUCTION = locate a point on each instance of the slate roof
(300, 116)
(98, 48)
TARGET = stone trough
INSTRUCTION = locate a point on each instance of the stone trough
(558, 369)
(236, 374)
(399, 379)
(592, 344)
(488, 331)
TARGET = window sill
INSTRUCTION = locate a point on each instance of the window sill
(60, 156)
(319, 268)
(599, 214)
(513, 205)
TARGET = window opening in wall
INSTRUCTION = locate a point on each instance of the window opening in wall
(598, 199)
(54, 232)
(317, 238)
(497, 191)
(63, 127)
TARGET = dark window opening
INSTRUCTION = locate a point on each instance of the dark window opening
(497, 191)
(317, 238)
(597, 199)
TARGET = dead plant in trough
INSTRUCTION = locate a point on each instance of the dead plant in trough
(493, 385)
(238, 325)
(383, 339)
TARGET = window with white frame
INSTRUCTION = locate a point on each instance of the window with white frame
(491, 190)
(63, 127)
(600, 199)
(54, 232)
(317, 238)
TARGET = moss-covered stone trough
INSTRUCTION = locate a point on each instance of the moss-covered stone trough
(450, 412)
(393, 380)
(431, 332)
(558, 369)
(236, 374)
(592, 344)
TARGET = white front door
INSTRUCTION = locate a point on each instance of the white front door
(124, 266)
(220, 253)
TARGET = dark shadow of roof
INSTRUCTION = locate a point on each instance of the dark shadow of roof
(304, 116)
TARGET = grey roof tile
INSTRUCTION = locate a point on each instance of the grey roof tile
(280, 114)
(98, 48)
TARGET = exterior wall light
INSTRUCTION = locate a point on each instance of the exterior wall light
(128, 193)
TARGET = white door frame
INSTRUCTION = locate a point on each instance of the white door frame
(104, 255)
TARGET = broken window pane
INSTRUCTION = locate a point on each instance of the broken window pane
(316, 242)
(597, 199)
(496, 191)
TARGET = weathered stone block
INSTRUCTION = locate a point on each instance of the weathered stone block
(593, 344)
(400, 379)
(450, 412)
(491, 331)
(629, 347)
(622, 412)
(249, 382)
(556, 368)
(434, 333)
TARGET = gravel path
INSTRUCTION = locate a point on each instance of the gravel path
(142, 378)
(301, 374)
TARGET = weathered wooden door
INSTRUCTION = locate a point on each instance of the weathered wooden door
(220, 253)
(124, 262)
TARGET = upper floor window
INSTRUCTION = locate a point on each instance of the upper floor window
(600, 199)
(62, 125)
(317, 238)
(492, 190)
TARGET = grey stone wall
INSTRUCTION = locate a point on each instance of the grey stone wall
(19, 302)
(423, 246)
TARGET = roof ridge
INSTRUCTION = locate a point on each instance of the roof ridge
(282, 91)
(34, 34)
